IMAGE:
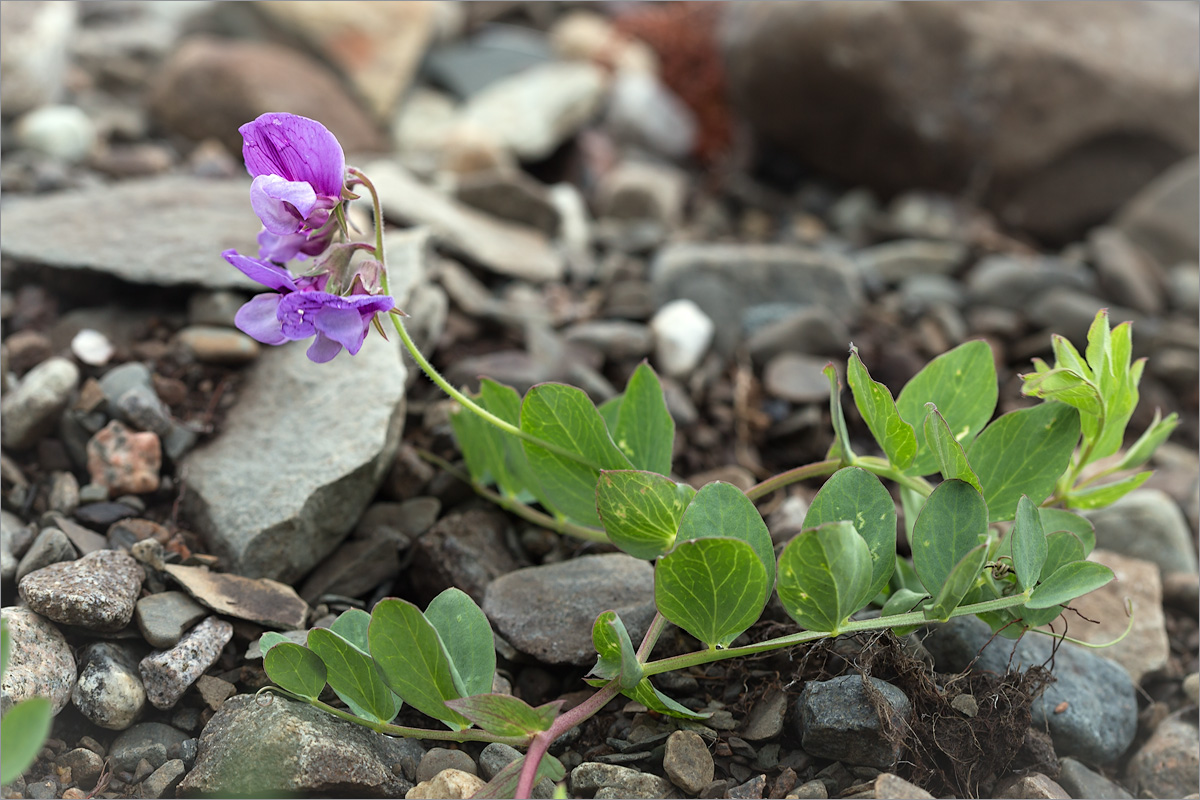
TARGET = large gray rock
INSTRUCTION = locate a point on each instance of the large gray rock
(1068, 107)
(1161, 218)
(1147, 524)
(726, 279)
(162, 231)
(41, 663)
(285, 748)
(548, 611)
(299, 458)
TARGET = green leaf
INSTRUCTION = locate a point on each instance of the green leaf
(505, 715)
(564, 416)
(1068, 582)
(1058, 519)
(961, 579)
(1028, 544)
(713, 588)
(722, 509)
(413, 661)
(610, 410)
(516, 478)
(1065, 386)
(504, 783)
(23, 731)
(1099, 348)
(296, 669)
(645, 431)
(352, 625)
(653, 699)
(1117, 381)
(641, 511)
(952, 523)
(905, 577)
(1062, 548)
(841, 437)
(951, 458)
(1024, 452)
(825, 576)
(962, 384)
(467, 636)
(895, 436)
(1148, 442)
(1106, 494)
(617, 658)
(352, 675)
(1066, 356)
(856, 495)
(902, 601)
(911, 502)
(269, 639)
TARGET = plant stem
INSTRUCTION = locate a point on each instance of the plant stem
(657, 626)
(562, 723)
(522, 510)
(884, 469)
(795, 475)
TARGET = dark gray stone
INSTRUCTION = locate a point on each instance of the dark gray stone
(838, 721)
(1100, 719)
(109, 691)
(164, 779)
(15, 539)
(1010, 282)
(467, 550)
(84, 764)
(548, 611)
(1167, 764)
(51, 546)
(437, 759)
(284, 747)
(1079, 781)
(149, 740)
(162, 618)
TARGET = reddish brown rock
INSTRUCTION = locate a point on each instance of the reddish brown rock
(125, 461)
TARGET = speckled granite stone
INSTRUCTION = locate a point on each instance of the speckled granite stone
(167, 674)
(40, 662)
(97, 591)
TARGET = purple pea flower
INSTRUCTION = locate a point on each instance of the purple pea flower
(299, 308)
(299, 173)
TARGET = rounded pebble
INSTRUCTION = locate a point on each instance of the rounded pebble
(96, 592)
(437, 759)
(40, 661)
(92, 347)
(109, 691)
(62, 131)
(33, 408)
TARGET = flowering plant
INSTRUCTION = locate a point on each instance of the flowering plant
(603, 474)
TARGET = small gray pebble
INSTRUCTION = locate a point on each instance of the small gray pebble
(437, 759)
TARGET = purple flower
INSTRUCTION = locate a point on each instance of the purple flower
(299, 308)
(299, 171)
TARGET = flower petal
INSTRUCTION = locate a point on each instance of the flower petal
(282, 205)
(323, 349)
(259, 320)
(266, 273)
(344, 325)
(295, 148)
(297, 312)
(280, 247)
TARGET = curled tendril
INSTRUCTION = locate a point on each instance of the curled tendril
(265, 696)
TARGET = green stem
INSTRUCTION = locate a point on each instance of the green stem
(522, 510)
(853, 626)
(657, 626)
(884, 469)
(378, 220)
(814, 470)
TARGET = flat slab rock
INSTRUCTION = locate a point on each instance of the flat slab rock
(260, 600)
(300, 456)
(172, 231)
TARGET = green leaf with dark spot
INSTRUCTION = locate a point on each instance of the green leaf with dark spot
(952, 523)
(641, 511)
(713, 588)
(617, 658)
(895, 436)
(961, 579)
(564, 416)
(1108, 493)
(825, 576)
(645, 431)
(505, 715)
(856, 495)
(1023, 453)
(722, 509)
(1068, 582)
(962, 384)
(352, 675)
(1028, 544)
(951, 458)
(413, 661)
(467, 636)
(295, 669)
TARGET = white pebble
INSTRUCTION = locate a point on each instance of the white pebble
(92, 347)
(682, 335)
(64, 132)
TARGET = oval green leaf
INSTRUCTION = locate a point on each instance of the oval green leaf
(961, 579)
(1023, 452)
(23, 731)
(895, 436)
(1106, 494)
(857, 496)
(641, 511)
(951, 524)
(564, 416)
(352, 625)
(413, 661)
(1068, 582)
(951, 458)
(1058, 519)
(722, 509)
(296, 669)
(962, 383)
(505, 715)
(713, 588)
(1028, 544)
(645, 431)
(352, 675)
(467, 636)
(617, 658)
(825, 576)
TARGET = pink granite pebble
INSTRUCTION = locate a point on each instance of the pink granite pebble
(167, 674)
(125, 461)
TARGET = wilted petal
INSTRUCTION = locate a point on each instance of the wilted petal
(323, 349)
(296, 148)
(266, 273)
(282, 205)
(259, 319)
